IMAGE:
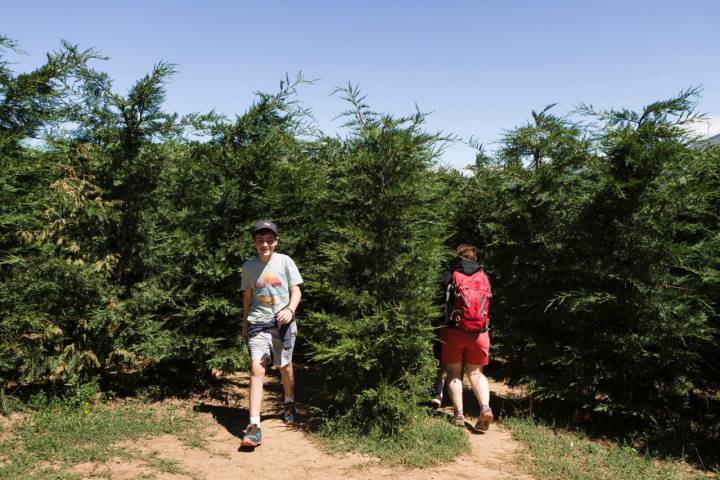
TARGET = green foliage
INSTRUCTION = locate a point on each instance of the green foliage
(47, 443)
(605, 289)
(419, 443)
(51, 298)
(30, 101)
(380, 252)
(198, 226)
(562, 455)
(124, 228)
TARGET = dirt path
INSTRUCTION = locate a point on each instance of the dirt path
(287, 453)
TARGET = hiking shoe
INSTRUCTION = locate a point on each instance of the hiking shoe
(289, 414)
(458, 420)
(252, 436)
(436, 401)
(484, 420)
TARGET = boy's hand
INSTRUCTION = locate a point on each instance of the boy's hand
(284, 316)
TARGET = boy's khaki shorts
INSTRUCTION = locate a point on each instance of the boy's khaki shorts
(268, 345)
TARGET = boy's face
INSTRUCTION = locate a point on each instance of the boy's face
(265, 242)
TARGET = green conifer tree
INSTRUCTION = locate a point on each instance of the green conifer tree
(596, 304)
(381, 247)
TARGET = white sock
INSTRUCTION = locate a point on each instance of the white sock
(290, 399)
(255, 420)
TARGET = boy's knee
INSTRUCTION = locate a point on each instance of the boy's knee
(257, 369)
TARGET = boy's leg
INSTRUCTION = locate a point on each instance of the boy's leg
(260, 347)
(257, 377)
(287, 375)
(282, 349)
(282, 359)
(252, 436)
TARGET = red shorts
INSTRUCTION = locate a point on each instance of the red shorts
(456, 343)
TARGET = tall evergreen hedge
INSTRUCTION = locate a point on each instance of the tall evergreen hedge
(122, 235)
(381, 245)
(603, 246)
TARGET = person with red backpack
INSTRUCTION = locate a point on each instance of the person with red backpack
(466, 338)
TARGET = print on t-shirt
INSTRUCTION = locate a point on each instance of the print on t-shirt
(270, 283)
(268, 289)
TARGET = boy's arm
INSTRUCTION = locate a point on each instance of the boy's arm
(295, 296)
(286, 314)
(247, 300)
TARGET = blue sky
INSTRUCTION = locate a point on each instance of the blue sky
(479, 66)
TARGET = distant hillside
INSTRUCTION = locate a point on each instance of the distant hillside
(715, 139)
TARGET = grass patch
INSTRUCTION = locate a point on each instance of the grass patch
(48, 442)
(426, 441)
(550, 454)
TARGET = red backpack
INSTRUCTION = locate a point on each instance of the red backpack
(468, 301)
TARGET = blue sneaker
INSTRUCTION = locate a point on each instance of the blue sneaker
(290, 414)
(252, 436)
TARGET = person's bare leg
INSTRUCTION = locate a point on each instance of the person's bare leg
(287, 376)
(479, 383)
(454, 386)
(257, 377)
(481, 389)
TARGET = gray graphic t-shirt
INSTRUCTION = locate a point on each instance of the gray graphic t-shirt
(270, 283)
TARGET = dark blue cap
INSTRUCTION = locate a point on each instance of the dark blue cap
(263, 225)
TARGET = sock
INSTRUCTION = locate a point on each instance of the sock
(290, 399)
(255, 420)
(459, 413)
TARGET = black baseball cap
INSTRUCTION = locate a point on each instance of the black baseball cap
(263, 225)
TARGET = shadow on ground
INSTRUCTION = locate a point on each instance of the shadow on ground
(227, 401)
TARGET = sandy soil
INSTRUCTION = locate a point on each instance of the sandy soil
(287, 453)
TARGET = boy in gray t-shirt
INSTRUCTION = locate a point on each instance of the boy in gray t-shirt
(271, 294)
(270, 284)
